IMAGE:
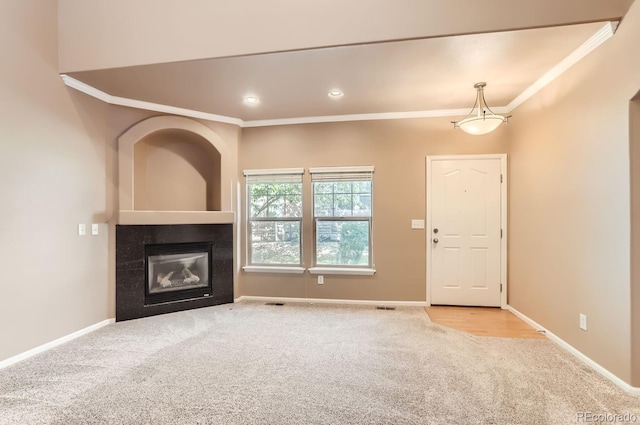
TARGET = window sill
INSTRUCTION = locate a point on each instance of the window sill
(273, 269)
(342, 270)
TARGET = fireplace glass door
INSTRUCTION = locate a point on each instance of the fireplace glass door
(177, 271)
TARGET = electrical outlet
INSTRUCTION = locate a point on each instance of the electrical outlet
(583, 322)
(82, 229)
(320, 279)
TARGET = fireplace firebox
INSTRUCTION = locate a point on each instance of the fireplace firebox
(177, 271)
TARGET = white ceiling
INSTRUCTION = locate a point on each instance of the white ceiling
(435, 74)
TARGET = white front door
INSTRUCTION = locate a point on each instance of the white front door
(465, 230)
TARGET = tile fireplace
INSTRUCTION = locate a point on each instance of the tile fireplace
(167, 268)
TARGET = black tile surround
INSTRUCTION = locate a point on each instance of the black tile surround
(130, 267)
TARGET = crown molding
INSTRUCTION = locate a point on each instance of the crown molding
(149, 106)
(587, 47)
(358, 117)
(574, 57)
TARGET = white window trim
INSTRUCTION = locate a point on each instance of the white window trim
(355, 271)
(273, 269)
(362, 271)
(273, 171)
(276, 268)
(354, 169)
(323, 269)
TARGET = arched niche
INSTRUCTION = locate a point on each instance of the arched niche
(171, 163)
(175, 170)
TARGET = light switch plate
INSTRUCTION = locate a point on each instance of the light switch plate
(417, 224)
(583, 322)
(94, 229)
(82, 229)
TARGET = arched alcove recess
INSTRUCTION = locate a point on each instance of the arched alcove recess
(175, 175)
(173, 170)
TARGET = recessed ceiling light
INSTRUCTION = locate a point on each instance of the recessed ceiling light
(335, 94)
(251, 100)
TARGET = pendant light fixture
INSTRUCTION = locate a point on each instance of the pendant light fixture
(483, 121)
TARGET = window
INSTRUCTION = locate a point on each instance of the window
(342, 216)
(274, 217)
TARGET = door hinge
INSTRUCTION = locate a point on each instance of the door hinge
(501, 288)
(500, 178)
(500, 233)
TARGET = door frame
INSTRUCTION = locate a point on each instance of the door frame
(503, 217)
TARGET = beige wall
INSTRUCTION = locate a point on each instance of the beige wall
(634, 115)
(569, 202)
(397, 149)
(53, 176)
(100, 34)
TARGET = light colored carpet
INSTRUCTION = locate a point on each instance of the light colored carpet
(250, 363)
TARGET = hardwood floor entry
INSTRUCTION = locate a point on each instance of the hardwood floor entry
(482, 321)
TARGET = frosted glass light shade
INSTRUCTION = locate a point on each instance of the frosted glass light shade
(484, 121)
(479, 125)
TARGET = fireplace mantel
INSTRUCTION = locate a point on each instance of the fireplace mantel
(175, 217)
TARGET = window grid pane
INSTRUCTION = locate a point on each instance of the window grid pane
(275, 199)
(275, 221)
(342, 221)
(275, 242)
(343, 243)
(342, 199)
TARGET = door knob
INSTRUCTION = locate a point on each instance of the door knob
(435, 240)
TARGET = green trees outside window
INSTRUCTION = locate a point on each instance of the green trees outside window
(275, 219)
(342, 217)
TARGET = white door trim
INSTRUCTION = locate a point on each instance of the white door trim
(503, 218)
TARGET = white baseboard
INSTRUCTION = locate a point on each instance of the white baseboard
(332, 301)
(577, 353)
(54, 343)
